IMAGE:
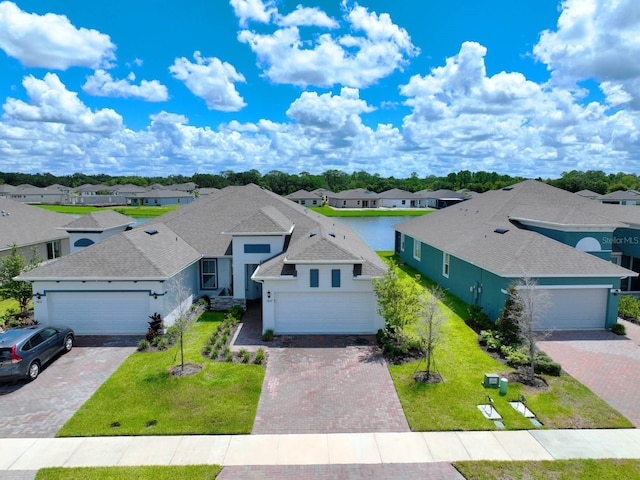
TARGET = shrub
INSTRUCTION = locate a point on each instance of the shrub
(618, 329)
(514, 356)
(224, 338)
(205, 301)
(507, 324)
(629, 307)
(480, 319)
(236, 311)
(161, 343)
(491, 340)
(143, 345)
(268, 335)
(228, 357)
(260, 357)
(215, 353)
(244, 355)
(172, 334)
(226, 351)
(547, 367)
(207, 350)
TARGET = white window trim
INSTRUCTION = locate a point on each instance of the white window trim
(402, 242)
(417, 249)
(446, 264)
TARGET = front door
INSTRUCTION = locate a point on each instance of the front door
(252, 290)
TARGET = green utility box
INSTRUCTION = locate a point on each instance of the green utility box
(491, 380)
(504, 384)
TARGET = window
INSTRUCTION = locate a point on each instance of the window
(53, 250)
(314, 278)
(257, 248)
(335, 278)
(315, 202)
(209, 274)
(404, 202)
(402, 242)
(445, 264)
(344, 202)
(417, 249)
(83, 242)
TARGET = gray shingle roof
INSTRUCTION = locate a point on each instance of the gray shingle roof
(27, 225)
(396, 193)
(303, 195)
(202, 229)
(467, 231)
(99, 221)
(134, 255)
(355, 194)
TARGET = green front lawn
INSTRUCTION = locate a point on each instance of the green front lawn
(369, 212)
(601, 469)
(145, 399)
(452, 404)
(125, 210)
(195, 472)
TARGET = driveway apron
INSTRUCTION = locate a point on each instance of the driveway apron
(40, 408)
(606, 363)
(324, 384)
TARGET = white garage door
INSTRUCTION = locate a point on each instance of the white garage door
(574, 308)
(100, 313)
(320, 312)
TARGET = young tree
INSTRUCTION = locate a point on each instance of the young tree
(11, 266)
(398, 302)
(507, 324)
(430, 322)
(530, 303)
(183, 311)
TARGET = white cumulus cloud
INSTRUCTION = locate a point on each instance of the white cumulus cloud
(51, 102)
(102, 84)
(252, 10)
(51, 41)
(373, 48)
(211, 80)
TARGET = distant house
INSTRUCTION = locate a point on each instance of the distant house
(308, 199)
(32, 228)
(311, 275)
(160, 197)
(38, 195)
(619, 197)
(206, 191)
(581, 253)
(588, 194)
(6, 190)
(183, 187)
(96, 227)
(397, 198)
(322, 193)
(357, 198)
(440, 198)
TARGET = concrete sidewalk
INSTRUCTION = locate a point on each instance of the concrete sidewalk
(30, 454)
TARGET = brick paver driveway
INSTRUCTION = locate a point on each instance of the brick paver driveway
(606, 363)
(328, 384)
(40, 408)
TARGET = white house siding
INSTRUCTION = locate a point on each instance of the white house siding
(241, 259)
(351, 308)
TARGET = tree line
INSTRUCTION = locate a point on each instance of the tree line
(337, 180)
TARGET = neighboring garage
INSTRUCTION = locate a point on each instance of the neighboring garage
(574, 309)
(320, 312)
(100, 313)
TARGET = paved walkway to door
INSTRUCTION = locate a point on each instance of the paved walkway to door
(608, 364)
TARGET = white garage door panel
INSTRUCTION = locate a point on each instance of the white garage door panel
(324, 312)
(100, 313)
(575, 308)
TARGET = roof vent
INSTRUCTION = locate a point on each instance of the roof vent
(312, 234)
(501, 230)
(151, 231)
(506, 189)
(331, 234)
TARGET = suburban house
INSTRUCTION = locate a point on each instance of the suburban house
(322, 193)
(440, 198)
(620, 197)
(586, 193)
(310, 273)
(161, 196)
(95, 227)
(49, 195)
(303, 197)
(583, 254)
(356, 198)
(32, 228)
(397, 198)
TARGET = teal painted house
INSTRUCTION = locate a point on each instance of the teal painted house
(583, 254)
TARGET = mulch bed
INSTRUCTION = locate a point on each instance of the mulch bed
(189, 369)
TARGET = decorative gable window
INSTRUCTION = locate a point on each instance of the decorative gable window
(335, 278)
(445, 264)
(417, 249)
(314, 278)
(208, 274)
(257, 248)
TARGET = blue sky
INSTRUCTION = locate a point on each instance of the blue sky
(531, 87)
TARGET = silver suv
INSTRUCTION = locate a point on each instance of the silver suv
(25, 350)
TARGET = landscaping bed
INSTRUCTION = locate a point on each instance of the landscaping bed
(143, 398)
(452, 403)
(164, 472)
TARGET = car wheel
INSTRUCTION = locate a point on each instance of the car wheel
(68, 343)
(34, 371)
